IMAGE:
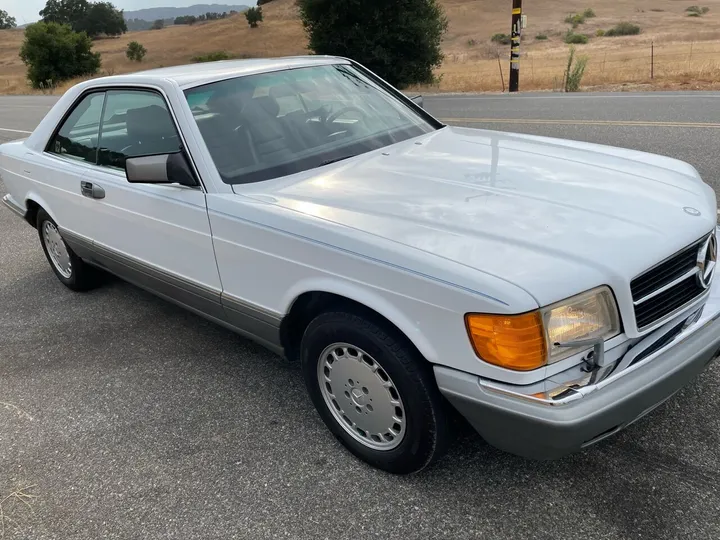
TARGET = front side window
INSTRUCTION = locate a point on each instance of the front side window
(78, 136)
(269, 125)
(135, 123)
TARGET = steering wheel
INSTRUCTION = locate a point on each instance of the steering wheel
(337, 114)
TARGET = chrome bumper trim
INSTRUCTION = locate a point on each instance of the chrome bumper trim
(12, 205)
(576, 383)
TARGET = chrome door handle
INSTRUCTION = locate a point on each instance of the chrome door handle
(88, 189)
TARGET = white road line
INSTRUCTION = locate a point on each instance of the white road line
(621, 95)
(546, 121)
(24, 106)
(15, 130)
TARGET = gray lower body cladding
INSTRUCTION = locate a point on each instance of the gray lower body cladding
(221, 308)
(544, 432)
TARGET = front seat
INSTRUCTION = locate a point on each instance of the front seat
(226, 139)
(150, 131)
(274, 143)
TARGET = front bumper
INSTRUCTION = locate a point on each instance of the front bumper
(539, 429)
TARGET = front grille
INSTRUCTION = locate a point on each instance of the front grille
(665, 272)
(651, 310)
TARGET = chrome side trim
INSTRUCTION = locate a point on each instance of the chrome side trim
(690, 273)
(13, 206)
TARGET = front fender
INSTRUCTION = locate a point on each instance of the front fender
(371, 298)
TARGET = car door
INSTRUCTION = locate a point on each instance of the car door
(68, 159)
(157, 236)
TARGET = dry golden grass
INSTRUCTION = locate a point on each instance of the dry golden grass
(687, 50)
(281, 34)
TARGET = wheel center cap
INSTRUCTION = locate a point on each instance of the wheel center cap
(358, 397)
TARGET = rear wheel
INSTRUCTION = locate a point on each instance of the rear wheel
(68, 267)
(374, 391)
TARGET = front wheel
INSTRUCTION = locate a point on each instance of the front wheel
(68, 267)
(374, 391)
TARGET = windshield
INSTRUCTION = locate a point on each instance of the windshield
(269, 125)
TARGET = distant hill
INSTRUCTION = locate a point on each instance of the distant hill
(153, 14)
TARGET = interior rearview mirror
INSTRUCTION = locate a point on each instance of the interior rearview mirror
(418, 100)
(160, 169)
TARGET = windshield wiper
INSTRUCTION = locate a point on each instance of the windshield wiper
(335, 160)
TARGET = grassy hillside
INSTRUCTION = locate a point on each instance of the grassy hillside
(687, 48)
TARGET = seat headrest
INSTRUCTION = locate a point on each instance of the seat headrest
(151, 122)
(268, 104)
(282, 90)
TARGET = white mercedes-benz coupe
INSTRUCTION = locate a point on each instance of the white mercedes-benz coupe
(552, 291)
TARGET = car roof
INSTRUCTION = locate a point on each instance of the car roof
(187, 76)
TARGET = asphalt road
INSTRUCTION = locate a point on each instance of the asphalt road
(129, 418)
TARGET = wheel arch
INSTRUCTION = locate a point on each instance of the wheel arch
(305, 305)
(33, 204)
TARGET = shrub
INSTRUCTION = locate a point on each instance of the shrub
(697, 11)
(400, 41)
(503, 39)
(471, 42)
(102, 18)
(53, 53)
(541, 37)
(135, 51)
(212, 57)
(185, 19)
(159, 24)
(600, 32)
(574, 73)
(573, 38)
(589, 13)
(254, 16)
(576, 19)
(93, 18)
(623, 29)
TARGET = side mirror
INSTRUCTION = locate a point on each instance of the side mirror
(418, 100)
(160, 169)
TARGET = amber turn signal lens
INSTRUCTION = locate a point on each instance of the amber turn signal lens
(510, 341)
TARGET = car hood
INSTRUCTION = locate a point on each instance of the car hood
(551, 216)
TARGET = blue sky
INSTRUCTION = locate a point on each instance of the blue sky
(26, 11)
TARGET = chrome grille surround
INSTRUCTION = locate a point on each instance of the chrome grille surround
(674, 283)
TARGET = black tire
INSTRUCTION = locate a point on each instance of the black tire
(82, 276)
(426, 429)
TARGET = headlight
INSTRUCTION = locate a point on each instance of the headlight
(528, 341)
